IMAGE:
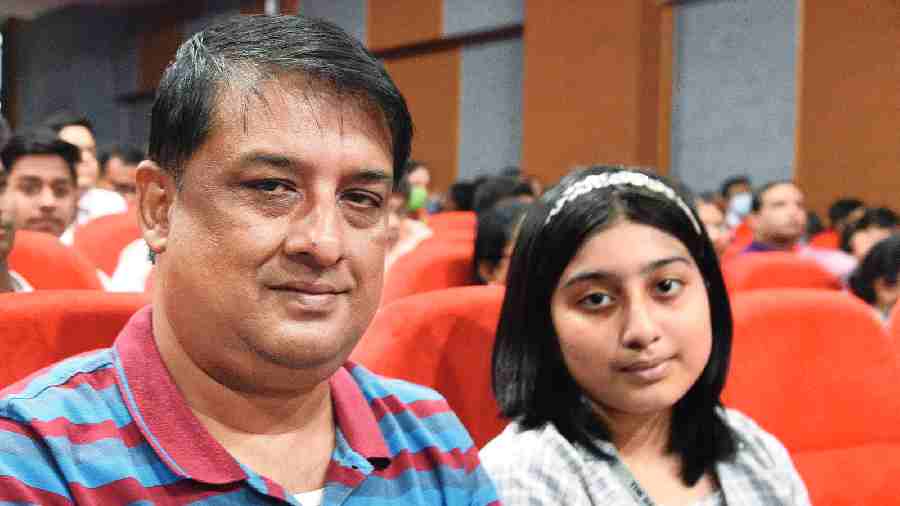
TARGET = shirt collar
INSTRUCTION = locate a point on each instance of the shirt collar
(183, 443)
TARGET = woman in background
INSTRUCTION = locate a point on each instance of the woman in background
(612, 350)
(875, 280)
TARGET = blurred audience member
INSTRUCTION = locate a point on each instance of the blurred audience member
(10, 281)
(495, 240)
(778, 217)
(93, 202)
(814, 224)
(875, 280)
(714, 221)
(859, 236)
(459, 196)
(133, 268)
(843, 212)
(498, 190)
(41, 181)
(419, 179)
(404, 233)
(118, 169)
(737, 198)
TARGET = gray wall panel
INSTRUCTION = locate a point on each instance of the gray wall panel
(734, 91)
(348, 14)
(463, 16)
(490, 107)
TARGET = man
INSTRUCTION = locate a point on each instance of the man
(273, 145)
(777, 218)
(93, 202)
(118, 168)
(10, 281)
(41, 181)
(736, 199)
(714, 223)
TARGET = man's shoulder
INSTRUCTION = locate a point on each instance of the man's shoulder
(411, 416)
(80, 389)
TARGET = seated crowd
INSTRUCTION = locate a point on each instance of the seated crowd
(610, 355)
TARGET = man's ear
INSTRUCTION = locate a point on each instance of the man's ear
(155, 195)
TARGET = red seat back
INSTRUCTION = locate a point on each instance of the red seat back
(465, 220)
(871, 472)
(41, 328)
(828, 239)
(765, 271)
(443, 340)
(103, 239)
(48, 264)
(815, 368)
(434, 265)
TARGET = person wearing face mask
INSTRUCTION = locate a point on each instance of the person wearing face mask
(737, 195)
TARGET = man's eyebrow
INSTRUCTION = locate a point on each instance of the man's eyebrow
(370, 176)
(601, 275)
(285, 163)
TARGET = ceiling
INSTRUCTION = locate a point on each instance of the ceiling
(30, 9)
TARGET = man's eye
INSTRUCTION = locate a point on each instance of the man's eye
(271, 186)
(363, 199)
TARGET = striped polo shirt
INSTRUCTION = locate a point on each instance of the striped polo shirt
(111, 427)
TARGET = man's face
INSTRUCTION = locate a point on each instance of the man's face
(275, 247)
(88, 169)
(7, 218)
(42, 193)
(782, 214)
(120, 178)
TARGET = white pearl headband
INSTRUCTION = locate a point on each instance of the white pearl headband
(597, 181)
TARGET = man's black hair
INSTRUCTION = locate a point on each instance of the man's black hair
(40, 141)
(130, 155)
(243, 52)
(732, 181)
(841, 209)
(61, 119)
(496, 189)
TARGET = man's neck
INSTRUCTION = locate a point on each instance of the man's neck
(777, 244)
(262, 429)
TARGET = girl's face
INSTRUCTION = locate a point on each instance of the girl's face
(632, 315)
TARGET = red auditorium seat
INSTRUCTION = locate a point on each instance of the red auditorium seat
(443, 340)
(465, 220)
(764, 271)
(48, 264)
(103, 239)
(434, 265)
(816, 369)
(828, 239)
(41, 328)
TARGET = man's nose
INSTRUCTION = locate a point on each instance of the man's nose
(48, 199)
(640, 329)
(317, 234)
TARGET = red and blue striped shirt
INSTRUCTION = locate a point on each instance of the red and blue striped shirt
(111, 427)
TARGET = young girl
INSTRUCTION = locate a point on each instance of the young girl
(611, 352)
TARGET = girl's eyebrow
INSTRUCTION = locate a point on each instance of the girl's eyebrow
(602, 275)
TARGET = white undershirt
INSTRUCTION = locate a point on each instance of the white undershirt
(311, 498)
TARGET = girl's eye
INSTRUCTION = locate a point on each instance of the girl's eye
(597, 300)
(669, 287)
